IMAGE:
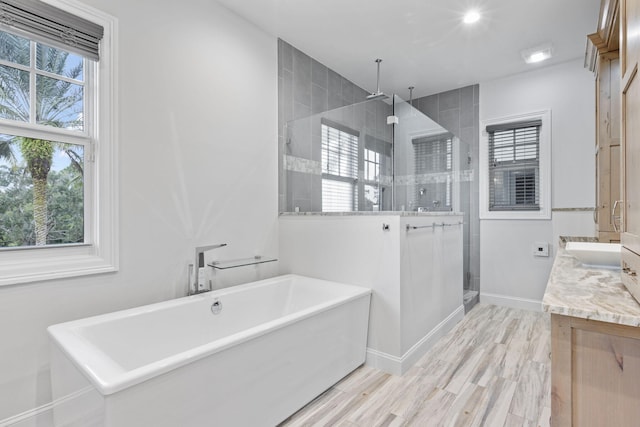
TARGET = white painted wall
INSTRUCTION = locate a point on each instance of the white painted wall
(416, 276)
(198, 165)
(355, 250)
(509, 272)
(431, 276)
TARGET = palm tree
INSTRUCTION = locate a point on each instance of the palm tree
(56, 101)
(6, 153)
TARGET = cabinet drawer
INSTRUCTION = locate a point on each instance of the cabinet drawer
(630, 271)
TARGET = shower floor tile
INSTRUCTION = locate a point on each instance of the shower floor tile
(493, 369)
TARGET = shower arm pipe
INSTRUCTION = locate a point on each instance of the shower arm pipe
(378, 61)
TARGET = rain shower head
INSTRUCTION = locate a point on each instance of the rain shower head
(377, 94)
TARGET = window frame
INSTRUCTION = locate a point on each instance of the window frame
(99, 253)
(544, 168)
(371, 161)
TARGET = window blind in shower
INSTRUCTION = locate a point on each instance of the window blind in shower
(339, 167)
(433, 161)
(514, 166)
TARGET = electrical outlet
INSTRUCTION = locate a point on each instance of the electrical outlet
(541, 249)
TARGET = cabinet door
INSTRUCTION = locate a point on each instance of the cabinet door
(605, 379)
(629, 56)
(594, 373)
(608, 154)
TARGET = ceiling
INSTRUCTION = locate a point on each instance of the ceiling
(423, 43)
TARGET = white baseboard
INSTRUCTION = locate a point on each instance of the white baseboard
(384, 361)
(399, 365)
(509, 301)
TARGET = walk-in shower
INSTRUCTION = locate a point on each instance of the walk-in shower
(382, 154)
(376, 155)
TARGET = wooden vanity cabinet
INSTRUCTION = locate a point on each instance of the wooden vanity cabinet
(630, 95)
(595, 365)
(595, 369)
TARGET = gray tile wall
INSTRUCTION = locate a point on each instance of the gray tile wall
(458, 111)
(305, 87)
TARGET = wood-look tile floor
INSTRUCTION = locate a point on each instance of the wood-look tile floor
(492, 369)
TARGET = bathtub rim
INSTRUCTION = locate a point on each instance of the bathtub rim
(112, 377)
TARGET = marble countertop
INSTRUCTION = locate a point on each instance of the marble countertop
(588, 293)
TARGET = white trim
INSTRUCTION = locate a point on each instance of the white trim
(101, 254)
(399, 365)
(544, 166)
(46, 409)
(384, 361)
(509, 301)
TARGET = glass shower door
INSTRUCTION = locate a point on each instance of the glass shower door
(426, 163)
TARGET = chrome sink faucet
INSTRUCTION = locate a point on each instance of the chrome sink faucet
(197, 281)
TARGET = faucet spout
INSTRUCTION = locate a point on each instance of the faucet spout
(199, 285)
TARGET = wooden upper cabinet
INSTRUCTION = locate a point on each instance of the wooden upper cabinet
(602, 57)
(608, 158)
(630, 96)
(606, 38)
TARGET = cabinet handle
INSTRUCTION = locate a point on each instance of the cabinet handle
(615, 218)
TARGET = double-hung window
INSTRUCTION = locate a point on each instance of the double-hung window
(516, 168)
(339, 168)
(57, 175)
(372, 161)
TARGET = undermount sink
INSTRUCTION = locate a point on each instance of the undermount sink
(592, 254)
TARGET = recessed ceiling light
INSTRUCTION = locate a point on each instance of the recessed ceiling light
(537, 54)
(471, 16)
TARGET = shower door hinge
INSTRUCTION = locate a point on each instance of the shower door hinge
(392, 120)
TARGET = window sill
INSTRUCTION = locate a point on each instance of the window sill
(544, 214)
(27, 266)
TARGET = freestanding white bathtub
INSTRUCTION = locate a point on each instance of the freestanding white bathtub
(272, 347)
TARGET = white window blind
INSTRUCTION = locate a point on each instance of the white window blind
(514, 166)
(53, 26)
(339, 168)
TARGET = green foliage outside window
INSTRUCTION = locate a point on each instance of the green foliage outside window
(40, 204)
